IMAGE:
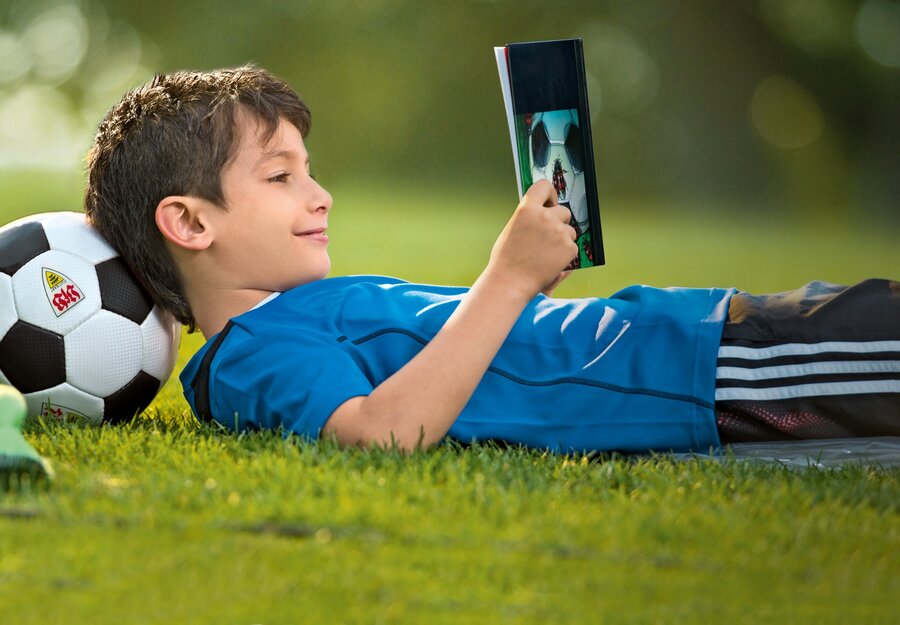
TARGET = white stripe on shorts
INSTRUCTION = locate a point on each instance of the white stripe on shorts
(810, 368)
(832, 366)
(804, 349)
(808, 390)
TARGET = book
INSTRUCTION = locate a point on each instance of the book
(545, 95)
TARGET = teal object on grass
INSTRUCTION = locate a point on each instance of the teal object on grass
(17, 457)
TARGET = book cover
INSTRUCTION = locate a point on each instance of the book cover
(545, 94)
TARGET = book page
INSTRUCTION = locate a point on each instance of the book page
(503, 69)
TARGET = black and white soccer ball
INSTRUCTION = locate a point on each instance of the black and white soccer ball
(80, 338)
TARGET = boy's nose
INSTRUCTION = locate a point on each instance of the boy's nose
(321, 199)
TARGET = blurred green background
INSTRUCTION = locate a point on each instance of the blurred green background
(749, 143)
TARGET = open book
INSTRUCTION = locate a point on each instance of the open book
(550, 128)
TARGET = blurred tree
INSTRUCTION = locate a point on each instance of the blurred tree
(785, 103)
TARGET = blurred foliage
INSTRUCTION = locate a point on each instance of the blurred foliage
(785, 105)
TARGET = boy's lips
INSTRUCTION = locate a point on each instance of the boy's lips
(318, 234)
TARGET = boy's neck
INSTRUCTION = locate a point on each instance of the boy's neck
(212, 310)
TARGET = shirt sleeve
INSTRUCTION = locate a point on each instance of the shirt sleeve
(289, 383)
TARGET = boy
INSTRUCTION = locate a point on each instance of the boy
(201, 180)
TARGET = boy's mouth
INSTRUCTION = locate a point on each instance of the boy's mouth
(318, 234)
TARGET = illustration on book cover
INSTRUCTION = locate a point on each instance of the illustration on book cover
(545, 95)
(551, 148)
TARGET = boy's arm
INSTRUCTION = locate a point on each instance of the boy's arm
(419, 403)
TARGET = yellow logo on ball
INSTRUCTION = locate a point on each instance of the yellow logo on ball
(61, 292)
(53, 279)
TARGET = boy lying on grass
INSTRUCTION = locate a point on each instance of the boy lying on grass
(201, 181)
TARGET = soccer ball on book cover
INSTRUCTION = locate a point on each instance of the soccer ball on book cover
(80, 338)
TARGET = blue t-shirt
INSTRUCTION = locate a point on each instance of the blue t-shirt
(633, 372)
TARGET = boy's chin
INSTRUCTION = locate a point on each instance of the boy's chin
(307, 280)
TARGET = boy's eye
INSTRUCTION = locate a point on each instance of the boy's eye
(282, 177)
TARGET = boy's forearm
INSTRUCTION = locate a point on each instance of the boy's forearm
(419, 403)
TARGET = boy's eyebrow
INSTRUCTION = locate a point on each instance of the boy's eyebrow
(273, 154)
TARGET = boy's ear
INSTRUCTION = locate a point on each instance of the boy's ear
(182, 221)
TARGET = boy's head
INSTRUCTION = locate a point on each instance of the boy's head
(175, 136)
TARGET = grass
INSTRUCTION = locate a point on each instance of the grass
(163, 521)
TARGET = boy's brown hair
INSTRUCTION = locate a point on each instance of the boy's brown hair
(174, 136)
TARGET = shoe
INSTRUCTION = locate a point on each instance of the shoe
(19, 462)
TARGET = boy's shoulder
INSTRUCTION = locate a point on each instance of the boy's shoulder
(299, 334)
(317, 314)
(304, 312)
(348, 297)
(313, 303)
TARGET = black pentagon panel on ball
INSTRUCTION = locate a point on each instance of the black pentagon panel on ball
(540, 145)
(575, 147)
(20, 244)
(32, 358)
(120, 292)
(131, 399)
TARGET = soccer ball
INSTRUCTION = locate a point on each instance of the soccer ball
(557, 155)
(80, 338)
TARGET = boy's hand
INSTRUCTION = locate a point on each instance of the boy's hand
(548, 290)
(537, 243)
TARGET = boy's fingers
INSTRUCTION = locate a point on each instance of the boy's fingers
(542, 192)
(552, 200)
(552, 196)
(563, 215)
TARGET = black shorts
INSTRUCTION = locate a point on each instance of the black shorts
(819, 362)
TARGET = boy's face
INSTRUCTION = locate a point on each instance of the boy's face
(272, 235)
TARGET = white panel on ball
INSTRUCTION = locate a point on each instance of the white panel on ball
(8, 314)
(43, 294)
(64, 403)
(162, 335)
(67, 232)
(104, 353)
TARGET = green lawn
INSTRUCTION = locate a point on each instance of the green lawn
(164, 522)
